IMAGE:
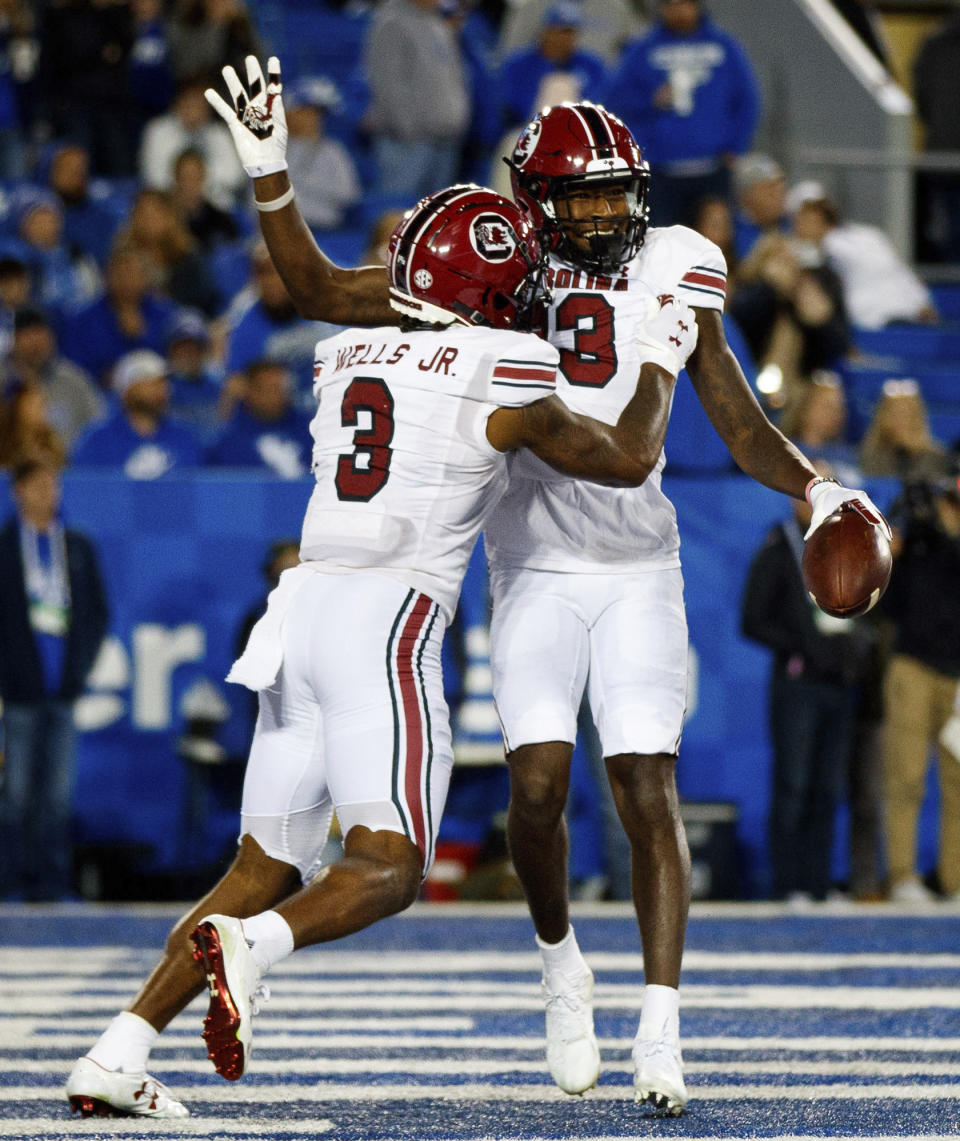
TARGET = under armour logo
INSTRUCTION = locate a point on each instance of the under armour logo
(674, 341)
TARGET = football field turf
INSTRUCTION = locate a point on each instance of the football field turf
(844, 1022)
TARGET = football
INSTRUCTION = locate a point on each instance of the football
(846, 563)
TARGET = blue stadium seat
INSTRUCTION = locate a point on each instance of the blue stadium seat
(939, 382)
(946, 297)
(945, 424)
(916, 342)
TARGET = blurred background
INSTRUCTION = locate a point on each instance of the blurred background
(150, 357)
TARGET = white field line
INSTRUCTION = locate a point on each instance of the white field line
(17, 962)
(311, 1032)
(441, 988)
(29, 1026)
(327, 1065)
(332, 996)
(142, 1126)
(547, 1092)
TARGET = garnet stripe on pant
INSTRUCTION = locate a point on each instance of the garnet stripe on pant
(428, 854)
(400, 654)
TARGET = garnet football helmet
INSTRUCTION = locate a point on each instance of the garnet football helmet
(467, 255)
(576, 146)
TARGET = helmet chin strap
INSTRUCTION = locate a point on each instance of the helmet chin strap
(424, 311)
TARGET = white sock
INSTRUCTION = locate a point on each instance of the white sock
(125, 1044)
(270, 938)
(564, 956)
(661, 1009)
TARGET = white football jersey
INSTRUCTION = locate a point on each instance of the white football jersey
(405, 475)
(547, 521)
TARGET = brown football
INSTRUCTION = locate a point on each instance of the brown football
(846, 563)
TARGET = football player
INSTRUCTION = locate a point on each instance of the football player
(586, 580)
(411, 438)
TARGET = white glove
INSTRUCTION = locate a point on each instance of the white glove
(256, 120)
(825, 497)
(669, 335)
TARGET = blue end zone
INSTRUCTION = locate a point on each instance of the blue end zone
(429, 1026)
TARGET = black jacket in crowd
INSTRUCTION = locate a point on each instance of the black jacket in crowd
(777, 612)
(21, 671)
(923, 598)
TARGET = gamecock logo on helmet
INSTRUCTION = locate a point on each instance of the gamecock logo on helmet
(492, 236)
(423, 279)
(527, 143)
(257, 120)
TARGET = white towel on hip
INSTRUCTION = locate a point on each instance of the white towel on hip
(258, 665)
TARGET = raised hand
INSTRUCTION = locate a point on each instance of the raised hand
(256, 117)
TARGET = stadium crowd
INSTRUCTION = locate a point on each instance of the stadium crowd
(144, 328)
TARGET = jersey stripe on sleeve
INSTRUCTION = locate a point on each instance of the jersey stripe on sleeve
(705, 279)
(524, 374)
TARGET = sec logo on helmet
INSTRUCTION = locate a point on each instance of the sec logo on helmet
(492, 236)
(527, 143)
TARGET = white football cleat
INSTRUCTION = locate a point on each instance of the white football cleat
(96, 1092)
(232, 978)
(658, 1073)
(573, 1056)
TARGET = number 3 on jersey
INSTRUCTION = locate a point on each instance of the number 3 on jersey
(592, 361)
(364, 471)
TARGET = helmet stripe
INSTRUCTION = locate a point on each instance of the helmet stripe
(578, 110)
(603, 138)
(419, 221)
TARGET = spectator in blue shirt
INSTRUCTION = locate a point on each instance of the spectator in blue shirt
(63, 278)
(88, 223)
(688, 92)
(554, 70)
(124, 318)
(139, 438)
(195, 380)
(266, 430)
(263, 324)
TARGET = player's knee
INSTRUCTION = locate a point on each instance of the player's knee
(389, 859)
(644, 789)
(535, 796)
(539, 780)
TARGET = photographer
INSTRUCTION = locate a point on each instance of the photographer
(921, 687)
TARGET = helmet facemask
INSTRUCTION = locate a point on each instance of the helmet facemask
(599, 242)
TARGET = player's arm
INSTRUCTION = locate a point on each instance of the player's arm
(320, 290)
(757, 446)
(620, 455)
